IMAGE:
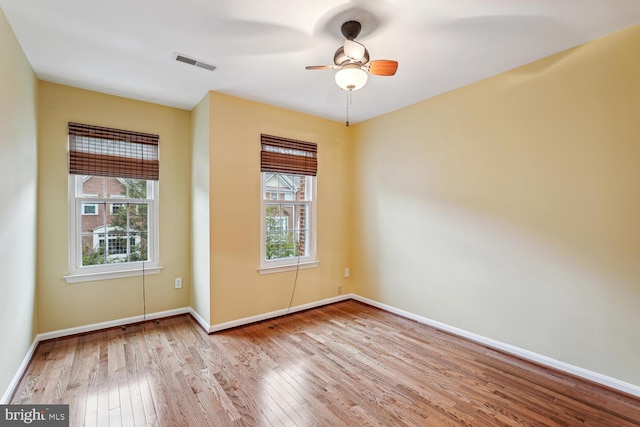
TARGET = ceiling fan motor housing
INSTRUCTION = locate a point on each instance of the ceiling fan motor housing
(351, 29)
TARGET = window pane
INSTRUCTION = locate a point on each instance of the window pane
(286, 230)
(92, 186)
(130, 217)
(93, 252)
(134, 188)
(284, 187)
(138, 246)
(107, 187)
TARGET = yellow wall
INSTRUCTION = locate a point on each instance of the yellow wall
(200, 241)
(237, 289)
(64, 305)
(510, 208)
(18, 174)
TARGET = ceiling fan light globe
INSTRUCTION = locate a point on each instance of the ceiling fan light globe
(351, 77)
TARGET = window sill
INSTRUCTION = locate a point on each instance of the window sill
(288, 267)
(116, 274)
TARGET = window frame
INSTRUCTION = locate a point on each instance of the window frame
(297, 262)
(78, 272)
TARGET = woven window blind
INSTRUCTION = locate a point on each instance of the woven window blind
(101, 151)
(283, 155)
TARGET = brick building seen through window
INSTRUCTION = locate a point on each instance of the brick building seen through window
(114, 229)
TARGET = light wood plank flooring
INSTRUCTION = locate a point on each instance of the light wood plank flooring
(346, 364)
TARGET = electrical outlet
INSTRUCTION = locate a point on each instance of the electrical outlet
(346, 272)
(339, 289)
(178, 283)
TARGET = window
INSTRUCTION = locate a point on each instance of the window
(288, 226)
(115, 207)
(120, 247)
(89, 209)
(112, 238)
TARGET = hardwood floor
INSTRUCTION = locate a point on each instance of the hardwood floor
(346, 364)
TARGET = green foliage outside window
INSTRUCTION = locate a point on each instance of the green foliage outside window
(91, 256)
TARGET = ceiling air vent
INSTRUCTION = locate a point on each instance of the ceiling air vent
(191, 61)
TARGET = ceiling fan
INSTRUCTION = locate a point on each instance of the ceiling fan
(352, 61)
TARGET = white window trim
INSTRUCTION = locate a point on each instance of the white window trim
(288, 267)
(293, 263)
(77, 273)
(105, 275)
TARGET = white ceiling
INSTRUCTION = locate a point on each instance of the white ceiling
(261, 47)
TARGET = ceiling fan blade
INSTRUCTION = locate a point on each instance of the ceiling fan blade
(383, 67)
(353, 50)
(320, 67)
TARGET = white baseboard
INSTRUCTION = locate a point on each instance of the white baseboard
(595, 377)
(111, 323)
(13, 385)
(260, 317)
(199, 319)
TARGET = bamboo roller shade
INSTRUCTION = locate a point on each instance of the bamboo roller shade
(102, 151)
(284, 155)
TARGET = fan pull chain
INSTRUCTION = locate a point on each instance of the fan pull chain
(348, 102)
